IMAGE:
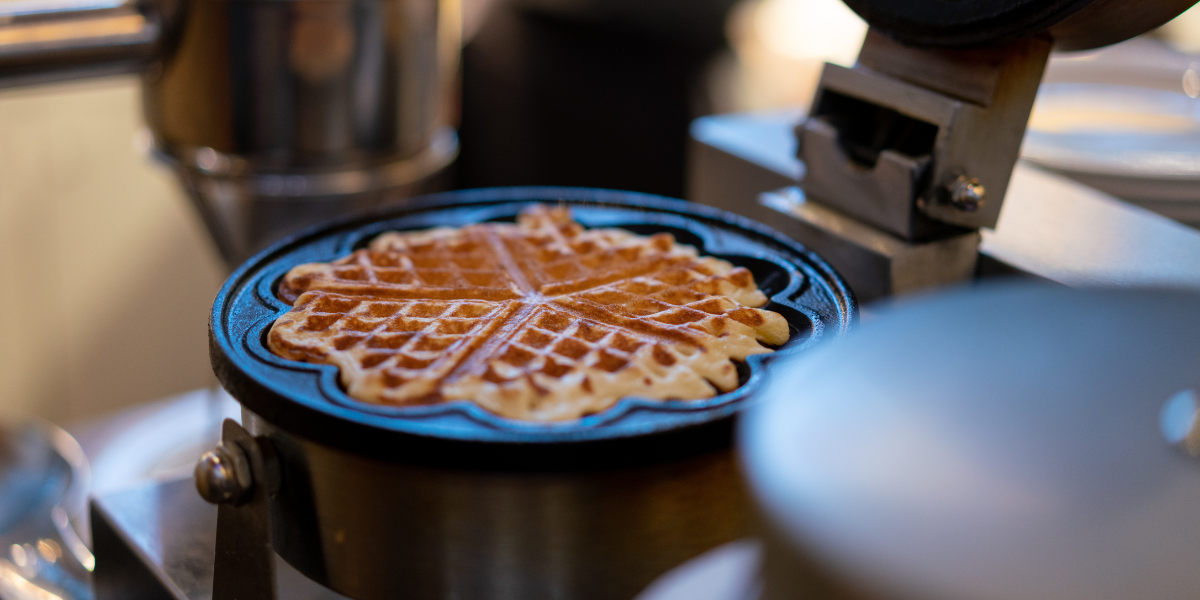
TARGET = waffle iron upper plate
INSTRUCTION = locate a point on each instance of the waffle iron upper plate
(307, 399)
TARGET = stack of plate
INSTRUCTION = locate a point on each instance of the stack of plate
(1125, 120)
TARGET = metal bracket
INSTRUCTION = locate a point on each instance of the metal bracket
(245, 557)
(881, 196)
(874, 263)
(886, 138)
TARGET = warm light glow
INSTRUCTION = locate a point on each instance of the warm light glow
(49, 549)
(71, 30)
(1065, 120)
(802, 29)
(1183, 32)
(18, 555)
(1076, 108)
(14, 585)
(781, 46)
(1191, 81)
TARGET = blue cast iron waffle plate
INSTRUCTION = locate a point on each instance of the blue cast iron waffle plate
(307, 399)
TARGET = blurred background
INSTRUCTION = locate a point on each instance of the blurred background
(108, 273)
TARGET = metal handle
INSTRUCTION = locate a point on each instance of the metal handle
(50, 40)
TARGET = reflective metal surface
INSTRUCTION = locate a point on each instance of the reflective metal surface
(1004, 442)
(886, 140)
(245, 213)
(312, 84)
(223, 475)
(374, 529)
(42, 41)
(157, 541)
(875, 263)
(245, 560)
(154, 442)
(275, 115)
(914, 146)
(43, 482)
(278, 115)
(155, 535)
(154, 541)
(1063, 231)
(1051, 227)
(1124, 120)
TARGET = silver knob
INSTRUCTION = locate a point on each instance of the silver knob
(966, 194)
(223, 475)
(1179, 421)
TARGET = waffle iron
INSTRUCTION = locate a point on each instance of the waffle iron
(449, 500)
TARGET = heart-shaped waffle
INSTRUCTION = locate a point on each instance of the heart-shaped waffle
(542, 320)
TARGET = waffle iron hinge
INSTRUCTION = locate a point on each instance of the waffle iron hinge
(916, 145)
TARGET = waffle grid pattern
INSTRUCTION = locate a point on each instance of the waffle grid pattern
(560, 322)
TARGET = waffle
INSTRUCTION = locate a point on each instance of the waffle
(541, 320)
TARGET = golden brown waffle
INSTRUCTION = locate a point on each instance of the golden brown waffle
(542, 320)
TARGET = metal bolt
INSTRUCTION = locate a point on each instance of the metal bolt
(966, 194)
(223, 475)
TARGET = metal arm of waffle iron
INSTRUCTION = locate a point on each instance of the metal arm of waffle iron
(245, 557)
(912, 150)
(887, 141)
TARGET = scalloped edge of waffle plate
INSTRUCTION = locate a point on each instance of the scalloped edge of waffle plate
(253, 287)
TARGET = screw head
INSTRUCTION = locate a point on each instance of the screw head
(966, 194)
(223, 475)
